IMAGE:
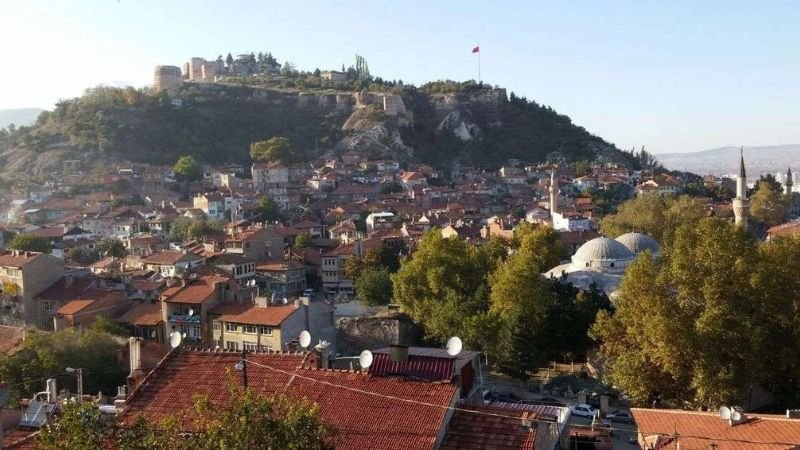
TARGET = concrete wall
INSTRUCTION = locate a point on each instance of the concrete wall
(355, 334)
(37, 276)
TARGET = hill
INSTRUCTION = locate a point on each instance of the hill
(19, 116)
(439, 123)
(725, 160)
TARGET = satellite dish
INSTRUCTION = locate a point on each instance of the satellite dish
(191, 312)
(365, 359)
(153, 334)
(454, 346)
(305, 339)
(175, 339)
(736, 416)
(724, 413)
(183, 335)
(285, 300)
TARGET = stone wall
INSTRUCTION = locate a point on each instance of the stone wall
(355, 334)
(167, 77)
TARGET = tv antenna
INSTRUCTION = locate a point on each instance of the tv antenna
(175, 339)
(454, 346)
(365, 359)
(305, 339)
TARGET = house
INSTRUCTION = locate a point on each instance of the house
(345, 232)
(241, 268)
(334, 280)
(262, 244)
(81, 313)
(211, 203)
(379, 220)
(411, 179)
(313, 229)
(58, 294)
(333, 75)
(171, 263)
(283, 278)
(186, 303)
(145, 321)
(265, 327)
(23, 276)
(670, 429)
(661, 185)
(786, 229)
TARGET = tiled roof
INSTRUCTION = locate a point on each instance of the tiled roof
(14, 258)
(278, 266)
(66, 289)
(195, 291)
(93, 300)
(339, 251)
(144, 314)
(699, 429)
(785, 229)
(476, 431)
(22, 438)
(388, 420)
(253, 315)
(167, 257)
(425, 368)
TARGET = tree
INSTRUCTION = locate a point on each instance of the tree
(374, 286)
(701, 326)
(30, 243)
(275, 149)
(229, 61)
(303, 240)
(654, 215)
(112, 247)
(768, 205)
(268, 210)
(771, 181)
(82, 256)
(317, 73)
(391, 188)
(244, 420)
(187, 169)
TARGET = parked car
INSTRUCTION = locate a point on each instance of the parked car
(620, 416)
(548, 401)
(308, 293)
(583, 410)
(504, 397)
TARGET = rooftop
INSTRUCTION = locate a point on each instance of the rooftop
(471, 430)
(252, 314)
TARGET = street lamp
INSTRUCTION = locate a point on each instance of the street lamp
(79, 374)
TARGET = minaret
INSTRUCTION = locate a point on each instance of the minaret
(553, 197)
(789, 183)
(741, 205)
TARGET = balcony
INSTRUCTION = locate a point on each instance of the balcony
(184, 318)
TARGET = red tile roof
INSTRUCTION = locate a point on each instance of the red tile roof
(476, 431)
(143, 315)
(699, 429)
(253, 315)
(785, 229)
(13, 258)
(168, 257)
(369, 412)
(425, 368)
(195, 291)
(66, 289)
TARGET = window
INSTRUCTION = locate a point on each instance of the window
(217, 325)
(250, 329)
(195, 332)
(249, 346)
(47, 306)
(267, 331)
(265, 348)
(231, 327)
(230, 345)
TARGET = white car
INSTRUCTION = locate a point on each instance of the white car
(583, 410)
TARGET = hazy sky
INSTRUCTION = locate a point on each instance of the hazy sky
(670, 75)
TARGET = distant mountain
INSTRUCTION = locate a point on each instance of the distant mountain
(725, 160)
(19, 116)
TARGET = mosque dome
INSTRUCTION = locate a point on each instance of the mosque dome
(602, 252)
(638, 242)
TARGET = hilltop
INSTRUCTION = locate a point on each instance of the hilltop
(725, 160)
(439, 123)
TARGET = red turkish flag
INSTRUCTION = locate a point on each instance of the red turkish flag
(476, 49)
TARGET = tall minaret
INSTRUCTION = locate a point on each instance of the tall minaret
(553, 197)
(787, 186)
(741, 205)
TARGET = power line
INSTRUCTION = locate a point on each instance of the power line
(504, 416)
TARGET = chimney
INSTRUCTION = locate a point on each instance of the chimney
(135, 358)
(52, 392)
(323, 348)
(793, 413)
(398, 353)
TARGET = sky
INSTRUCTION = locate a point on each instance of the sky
(673, 76)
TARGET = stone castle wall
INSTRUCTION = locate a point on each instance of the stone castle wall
(167, 77)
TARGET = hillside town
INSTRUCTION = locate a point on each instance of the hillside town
(240, 262)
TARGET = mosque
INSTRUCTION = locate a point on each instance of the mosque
(602, 261)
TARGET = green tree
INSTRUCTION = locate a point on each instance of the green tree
(374, 286)
(268, 210)
(303, 240)
(654, 215)
(244, 420)
(30, 243)
(179, 230)
(82, 256)
(769, 206)
(701, 325)
(274, 149)
(112, 247)
(187, 169)
(229, 60)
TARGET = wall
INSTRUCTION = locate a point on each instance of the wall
(355, 334)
